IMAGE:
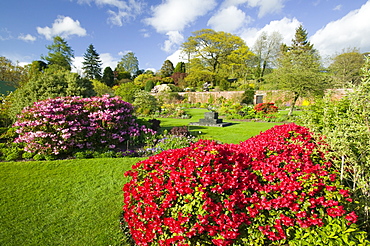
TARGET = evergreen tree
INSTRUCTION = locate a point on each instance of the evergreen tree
(108, 77)
(92, 63)
(60, 53)
(167, 68)
(180, 68)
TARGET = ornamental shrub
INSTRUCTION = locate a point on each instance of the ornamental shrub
(276, 188)
(266, 108)
(63, 125)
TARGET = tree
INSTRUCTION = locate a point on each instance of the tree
(127, 91)
(11, 73)
(216, 51)
(266, 48)
(60, 53)
(108, 77)
(53, 82)
(167, 68)
(346, 67)
(180, 68)
(92, 63)
(128, 63)
(299, 70)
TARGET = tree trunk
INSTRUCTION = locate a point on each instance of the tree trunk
(296, 95)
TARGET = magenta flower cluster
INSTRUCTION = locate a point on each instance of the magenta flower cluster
(61, 125)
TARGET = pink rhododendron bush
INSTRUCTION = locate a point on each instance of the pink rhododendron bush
(62, 125)
(274, 189)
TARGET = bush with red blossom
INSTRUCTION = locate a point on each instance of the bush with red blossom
(266, 108)
(273, 189)
(66, 124)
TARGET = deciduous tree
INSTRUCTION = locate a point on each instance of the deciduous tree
(167, 69)
(128, 63)
(60, 53)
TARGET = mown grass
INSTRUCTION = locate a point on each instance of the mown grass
(68, 202)
(235, 133)
(79, 202)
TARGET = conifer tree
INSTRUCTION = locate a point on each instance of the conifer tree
(92, 63)
(60, 53)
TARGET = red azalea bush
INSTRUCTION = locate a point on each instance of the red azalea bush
(62, 125)
(266, 108)
(272, 189)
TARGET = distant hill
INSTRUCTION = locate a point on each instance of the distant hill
(5, 88)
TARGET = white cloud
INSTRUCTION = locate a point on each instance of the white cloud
(175, 15)
(107, 61)
(338, 7)
(63, 26)
(176, 57)
(286, 27)
(175, 38)
(229, 19)
(27, 38)
(353, 30)
(265, 6)
(122, 10)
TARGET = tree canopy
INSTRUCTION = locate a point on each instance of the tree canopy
(129, 63)
(60, 53)
(92, 63)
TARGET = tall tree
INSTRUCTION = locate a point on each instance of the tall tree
(346, 67)
(167, 69)
(11, 73)
(129, 63)
(215, 51)
(60, 53)
(299, 69)
(108, 77)
(92, 63)
(180, 68)
(266, 48)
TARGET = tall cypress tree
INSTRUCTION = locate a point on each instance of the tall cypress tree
(92, 63)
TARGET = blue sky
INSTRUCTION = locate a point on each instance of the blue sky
(154, 30)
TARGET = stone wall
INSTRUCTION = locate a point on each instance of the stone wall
(211, 96)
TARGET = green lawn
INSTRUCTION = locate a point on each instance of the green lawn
(69, 202)
(235, 133)
(79, 202)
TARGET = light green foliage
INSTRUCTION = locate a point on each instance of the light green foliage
(54, 82)
(60, 53)
(346, 127)
(128, 63)
(92, 63)
(126, 91)
(11, 73)
(142, 78)
(144, 103)
(299, 70)
(167, 69)
(101, 88)
(346, 68)
(180, 68)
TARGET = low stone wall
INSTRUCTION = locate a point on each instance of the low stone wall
(211, 96)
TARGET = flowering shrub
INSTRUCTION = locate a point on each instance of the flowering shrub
(266, 108)
(272, 189)
(61, 125)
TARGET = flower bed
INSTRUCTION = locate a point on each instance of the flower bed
(272, 189)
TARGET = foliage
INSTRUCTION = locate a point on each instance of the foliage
(108, 77)
(128, 63)
(346, 68)
(60, 53)
(236, 110)
(266, 48)
(180, 131)
(149, 85)
(178, 78)
(101, 88)
(142, 78)
(11, 73)
(92, 63)
(144, 103)
(167, 69)
(345, 124)
(266, 108)
(180, 68)
(126, 91)
(62, 125)
(299, 70)
(53, 82)
(273, 189)
(4, 111)
(248, 95)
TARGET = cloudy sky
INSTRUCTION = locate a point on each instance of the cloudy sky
(154, 30)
